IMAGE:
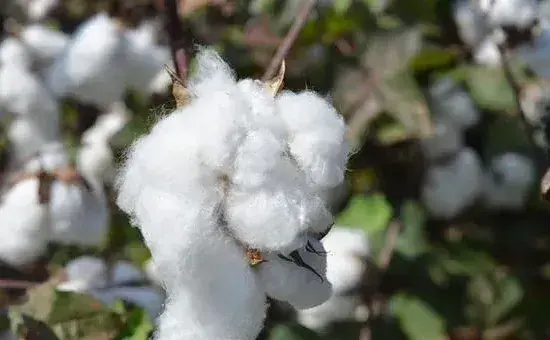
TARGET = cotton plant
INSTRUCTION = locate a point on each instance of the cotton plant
(453, 185)
(347, 250)
(121, 281)
(508, 181)
(234, 179)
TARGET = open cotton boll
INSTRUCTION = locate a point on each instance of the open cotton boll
(452, 103)
(451, 187)
(508, 181)
(317, 138)
(44, 43)
(446, 140)
(24, 225)
(37, 10)
(13, 51)
(84, 273)
(78, 216)
(92, 66)
(22, 93)
(470, 21)
(536, 55)
(518, 13)
(286, 278)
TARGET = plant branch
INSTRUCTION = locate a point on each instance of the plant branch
(176, 36)
(289, 39)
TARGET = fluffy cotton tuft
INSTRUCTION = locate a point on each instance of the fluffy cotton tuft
(13, 51)
(518, 13)
(43, 42)
(226, 172)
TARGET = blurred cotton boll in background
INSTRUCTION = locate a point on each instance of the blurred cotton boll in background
(470, 21)
(508, 181)
(44, 43)
(13, 51)
(452, 186)
(515, 13)
(452, 103)
(347, 250)
(446, 141)
(121, 282)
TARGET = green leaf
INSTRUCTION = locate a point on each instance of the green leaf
(292, 332)
(412, 241)
(490, 89)
(509, 294)
(505, 134)
(418, 320)
(371, 213)
(138, 326)
(432, 58)
(341, 6)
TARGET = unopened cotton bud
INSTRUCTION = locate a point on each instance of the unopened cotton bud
(92, 66)
(13, 51)
(508, 181)
(43, 42)
(446, 140)
(470, 21)
(453, 104)
(298, 278)
(24, 225)
(451, 187)
(516, 13)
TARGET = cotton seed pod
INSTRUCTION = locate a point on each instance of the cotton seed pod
(43, 42)
(508, 181)
(470, 21)
(453, 104)
(92, 66)
(298, 278)
(24, 224)
(451, 187)
(516, 13)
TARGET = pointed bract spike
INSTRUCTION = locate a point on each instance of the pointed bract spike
(275, 84)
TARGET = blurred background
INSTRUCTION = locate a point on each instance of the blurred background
(442, 230)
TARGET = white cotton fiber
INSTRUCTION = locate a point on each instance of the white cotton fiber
(92, 66)
(13, 51)
(518, 13)
(84, 273)
(24, 225)
(317, 137)
(26, 139)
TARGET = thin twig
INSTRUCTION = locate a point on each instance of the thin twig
(16, 284)
(289, 39)
(177, 39)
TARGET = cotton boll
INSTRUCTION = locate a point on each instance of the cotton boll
(508, 181)
(446, 140)
(518, 13)
(337, 308)
(84, 273)
(92, 66)
(317, 137)
(12, 51)
(44, 43)
(78, 216)
(536, 55)
(284, 279)
(449, 188)
(470, 21)
(24, 224)
(22, 93)
(26, 139)
(452, 103)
